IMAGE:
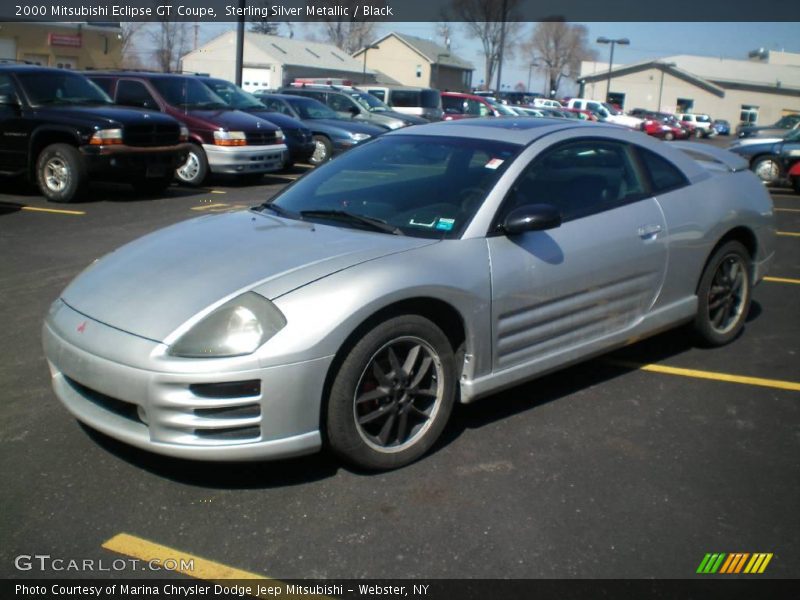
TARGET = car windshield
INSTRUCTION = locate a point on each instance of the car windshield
(368, 101)
(499, 107)
(234, 96)
(308, 108)
(703, 119)
(61, 88)
(422, 186)
(187, 93)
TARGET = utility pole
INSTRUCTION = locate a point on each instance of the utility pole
(502, 45)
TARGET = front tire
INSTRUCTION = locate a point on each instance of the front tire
(723, 295)
(392, 395)
(323, 150)
(195, 170)
(61, 173)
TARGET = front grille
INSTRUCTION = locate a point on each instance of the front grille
(227, 389)
(113, 405)
(247, 411)
(230, 433)
(152, 134)
(261, 138)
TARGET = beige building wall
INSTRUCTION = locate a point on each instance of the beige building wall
(401, 63)
(67, 45)
(641, 90)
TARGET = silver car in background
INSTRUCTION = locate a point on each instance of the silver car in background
(435, 264)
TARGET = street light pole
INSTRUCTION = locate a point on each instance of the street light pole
(664, 67)
(530, 68)
(621, 42)
(364, 71)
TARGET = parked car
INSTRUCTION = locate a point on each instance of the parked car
(417, 101)
(664, 126)
(354, 311)
(701, 124)
(605, 112)
(794, 177)
(298, 138)
(773, 158)
(331, 134)
(61, 131)
(583, 115)
(354, 103)
(222, 140)
(546, 103)
(458, 105)
(722, 126)
(778, 128)
(525, 111)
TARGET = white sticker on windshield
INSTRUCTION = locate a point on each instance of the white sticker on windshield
(418, 224)
(494, 163)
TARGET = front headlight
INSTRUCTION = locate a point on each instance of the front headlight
(238, 327)
(106, 137)
(360, 137)
(230, 138)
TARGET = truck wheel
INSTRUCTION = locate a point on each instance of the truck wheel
(60, 173)
(195, 169)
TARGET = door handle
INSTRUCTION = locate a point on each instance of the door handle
(647, 232)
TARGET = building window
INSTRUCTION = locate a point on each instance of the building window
(685, 105)
(748, 114)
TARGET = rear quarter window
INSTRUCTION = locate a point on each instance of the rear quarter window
(664, 176)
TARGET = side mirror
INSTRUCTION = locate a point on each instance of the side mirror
(531, 217)
(354, 111)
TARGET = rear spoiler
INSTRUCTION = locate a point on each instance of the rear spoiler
(705, 153)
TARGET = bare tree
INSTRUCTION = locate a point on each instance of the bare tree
(170, 41)
(484, 20)
(349, 35)
(264, 25)
(558, 49)
(127, 34)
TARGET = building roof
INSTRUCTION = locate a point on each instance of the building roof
(430, 51)
(262, 49)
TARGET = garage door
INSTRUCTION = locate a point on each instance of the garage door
(254, 79)
(8, 48)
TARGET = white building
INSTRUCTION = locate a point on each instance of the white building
(759, 90)
(271, 61)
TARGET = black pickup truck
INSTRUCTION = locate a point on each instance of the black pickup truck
(60, 130)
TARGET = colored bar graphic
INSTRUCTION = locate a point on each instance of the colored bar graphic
(734, 563)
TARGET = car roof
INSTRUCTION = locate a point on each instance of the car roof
(24, 68)
(516, 130)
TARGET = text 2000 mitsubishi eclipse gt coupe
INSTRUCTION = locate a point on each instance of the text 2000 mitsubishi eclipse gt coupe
(432, 265)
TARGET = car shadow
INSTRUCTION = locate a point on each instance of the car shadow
(7, 208)
(222, 475)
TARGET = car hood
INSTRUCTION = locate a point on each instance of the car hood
(345, 125)
(151, 286)
(232, 120)
(101, 116)
(283, 121)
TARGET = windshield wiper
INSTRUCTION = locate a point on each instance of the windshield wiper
(278, 210)
(370, 222)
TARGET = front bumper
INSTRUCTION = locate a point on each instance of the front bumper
(188, 414)
(123, 162)
(240, 160)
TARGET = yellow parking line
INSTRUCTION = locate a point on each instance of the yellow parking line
(130, 545)
(757, 381)
(53, 210)
(208, 206)
(218, 192)
(782, 280)
(790, 233)
(787, 209)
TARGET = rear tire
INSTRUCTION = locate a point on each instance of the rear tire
(195, 170)
(723, 295)
(392, 395)
(768, 169)
(61, 173)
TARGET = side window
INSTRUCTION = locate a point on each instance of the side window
(134, 93)
(664, 175)
(580, 178)
(340, 103)
(7, 94)
(379, 94)
(452, 105)
(104, 83)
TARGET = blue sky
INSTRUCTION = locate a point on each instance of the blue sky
(648, 40)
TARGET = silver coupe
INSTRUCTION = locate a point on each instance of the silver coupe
(436, 264)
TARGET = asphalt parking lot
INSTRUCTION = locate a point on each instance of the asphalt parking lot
(634, 465)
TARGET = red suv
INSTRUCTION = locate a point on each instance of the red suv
(222, 139)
